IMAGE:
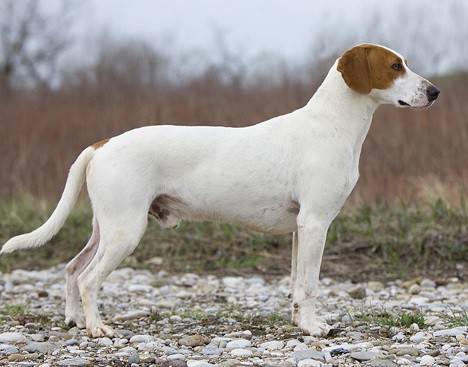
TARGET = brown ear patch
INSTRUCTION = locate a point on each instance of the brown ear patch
(99, 144)
(354, 67)
(367, 66)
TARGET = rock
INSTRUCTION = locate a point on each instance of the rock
(238, 343)
(132, 315)
(415, 289)
(273, 345)
(382, 363)
(71, 342)
(105, 341)
(40, 347)
(309, 363)
(8, 349)
(195, 363)
(211, 349)
(240, 352)
(12, 338)
(194, 341)
(358, 292)
(427, 360)
(363, 356)
(402, 351)
(155, 261)
(460, 330)
(73, 362)
(141, 338)
(177, 363)
(403, 361)
(15, 357)
(427, 283)
(307, 354)
(431, 320)
(134, 358)
(418, 337)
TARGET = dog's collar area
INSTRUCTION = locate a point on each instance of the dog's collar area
(402, 103)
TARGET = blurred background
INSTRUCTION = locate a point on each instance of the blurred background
(75, 72)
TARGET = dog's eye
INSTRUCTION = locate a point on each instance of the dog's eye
(397, 67)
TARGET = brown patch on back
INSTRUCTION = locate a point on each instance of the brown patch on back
(99, 144)
(365, 67)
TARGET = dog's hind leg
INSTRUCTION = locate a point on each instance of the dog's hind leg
(118, 238)
(74, 268)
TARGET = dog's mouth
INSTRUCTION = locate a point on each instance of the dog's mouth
(402, 103)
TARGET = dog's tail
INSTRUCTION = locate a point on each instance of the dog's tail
(70, 194)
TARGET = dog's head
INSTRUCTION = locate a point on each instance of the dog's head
(385, 76)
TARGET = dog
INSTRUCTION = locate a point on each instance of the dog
(289, 174)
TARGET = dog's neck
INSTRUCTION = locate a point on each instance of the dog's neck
(348, 111)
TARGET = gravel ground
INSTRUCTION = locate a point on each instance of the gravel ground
(201, 321)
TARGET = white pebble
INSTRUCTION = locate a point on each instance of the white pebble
(239, 352)
(427, 360)
(309, 363)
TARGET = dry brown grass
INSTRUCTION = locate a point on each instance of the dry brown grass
(407, 155)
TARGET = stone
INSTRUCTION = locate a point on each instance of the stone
(238, 343)
(8, 349)
(273, 345)
(309, 363)
(358, 292)
(194, 341)
(73, 362)
(415, 289)
(363, 356)
(177, 363)
(427, 360)
(211, 349)
(460, 330)
(140, 338)
(134, 358)
(240, 352)
(382, 363)
(402, 351)
(40, 347)
(12, 338)
(194, 363)
(105, 341)
(307, 354)
(428, 283)
(418, 337)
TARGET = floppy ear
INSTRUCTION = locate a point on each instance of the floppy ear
(355, 70)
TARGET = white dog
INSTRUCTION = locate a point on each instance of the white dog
(292, 173)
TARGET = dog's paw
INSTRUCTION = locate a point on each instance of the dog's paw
(102, 330)
(78, 321)
(318, 329)
(311, 325)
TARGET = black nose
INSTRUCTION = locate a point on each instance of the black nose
(432, 93)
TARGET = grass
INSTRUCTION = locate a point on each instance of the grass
(386, 319)
(22, 314)
(458, 318)
(404, 240)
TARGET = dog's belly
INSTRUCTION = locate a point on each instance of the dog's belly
(275, 218)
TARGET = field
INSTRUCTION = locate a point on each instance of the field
(424, 239)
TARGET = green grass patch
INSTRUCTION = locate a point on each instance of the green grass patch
(386, 319)
(398, 238)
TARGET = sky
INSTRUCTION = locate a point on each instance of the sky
(292, 29)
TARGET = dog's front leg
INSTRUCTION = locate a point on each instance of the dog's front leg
(311, 242)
